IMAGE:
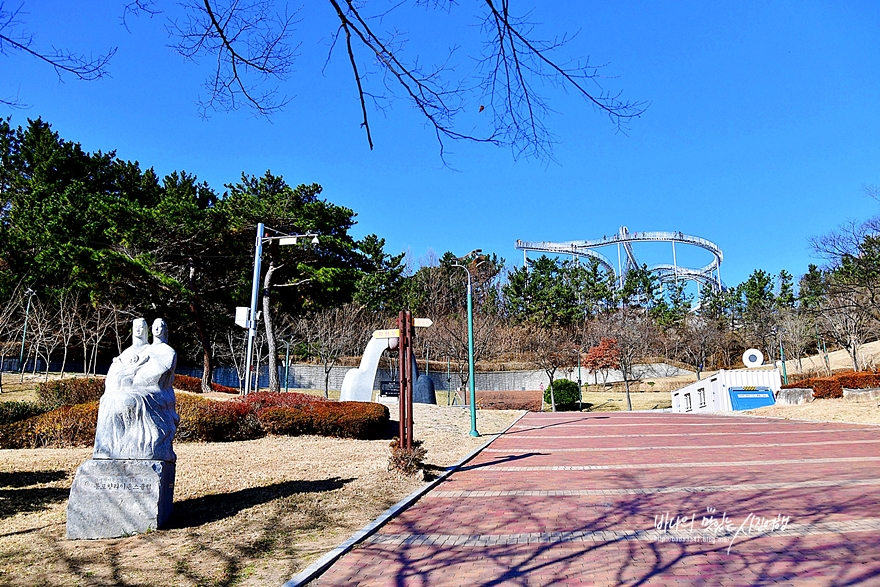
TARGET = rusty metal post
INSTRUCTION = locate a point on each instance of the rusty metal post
(401, 375)
(410, 379)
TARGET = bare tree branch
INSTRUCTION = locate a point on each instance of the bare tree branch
(138, 7)
(13, 38)
(249, 44)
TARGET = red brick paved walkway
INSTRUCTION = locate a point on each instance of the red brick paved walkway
(573, 499)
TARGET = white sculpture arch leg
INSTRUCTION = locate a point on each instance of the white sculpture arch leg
(358, 383)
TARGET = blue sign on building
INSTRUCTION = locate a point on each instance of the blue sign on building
(749, 398)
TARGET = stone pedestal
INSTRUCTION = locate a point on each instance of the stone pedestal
(114, 497)
(861, 395)
(794, 396)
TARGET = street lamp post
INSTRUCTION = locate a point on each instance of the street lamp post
(287, 367)
(251, 324)
(252, 316)
(470, 318)
(30, 294)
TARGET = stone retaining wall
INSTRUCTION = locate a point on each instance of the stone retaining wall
(312, 377)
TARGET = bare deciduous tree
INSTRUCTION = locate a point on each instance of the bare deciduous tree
(43, 331)
(9, 324)
(449, 337)
(702, 341)
(68, 305)
(633, 331)
(333, 333)
(796, 331)
(94, 322)
(848, 320)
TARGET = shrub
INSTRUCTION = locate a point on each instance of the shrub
(17, 411)
(62, 427)
(69, 392)
(565, 392)
(859, 380)
(17, 434)
(340, 419)
(831, 387)
(194, 385)
(215, 421)
(265, 399)
(203, 419)
(187, 383)
(408, 461)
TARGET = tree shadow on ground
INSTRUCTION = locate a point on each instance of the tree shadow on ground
(500, 460)
(19, 497)
(17, 501)
(197, 511)
(28, 478)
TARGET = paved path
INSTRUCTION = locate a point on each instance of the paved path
(642, 499)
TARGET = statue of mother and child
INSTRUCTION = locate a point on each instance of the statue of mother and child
(137, 417)
(127, 487)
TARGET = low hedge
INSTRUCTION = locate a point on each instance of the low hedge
(62, 427)
(194, 385)
(264, 399)
(207, 420)
(341, 419)
(832, 387)
(203, 419)
(69, 392)
(17, 411)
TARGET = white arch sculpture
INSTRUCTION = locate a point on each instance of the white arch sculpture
(357, 386)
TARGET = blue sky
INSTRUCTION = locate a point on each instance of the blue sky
(762, 127)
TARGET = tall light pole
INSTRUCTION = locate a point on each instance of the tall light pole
(470, 321)
(287, 367)
(251, 323)
(30, 294)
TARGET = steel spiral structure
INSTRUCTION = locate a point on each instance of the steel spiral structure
(708, 275)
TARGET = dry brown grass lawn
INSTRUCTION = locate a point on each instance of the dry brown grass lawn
(825, 410)
(613, 401)
(246, 513)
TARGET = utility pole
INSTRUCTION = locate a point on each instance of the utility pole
(405, 368)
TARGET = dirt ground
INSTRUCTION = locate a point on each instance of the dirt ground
(246, 513)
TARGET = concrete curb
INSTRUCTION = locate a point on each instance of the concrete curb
(322, 564)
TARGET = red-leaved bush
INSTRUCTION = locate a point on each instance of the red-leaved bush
(265, 399)
(210, 420)
(194, 385)
(831, 387)
(203, 419)
(340, 419)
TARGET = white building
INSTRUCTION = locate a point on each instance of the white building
(725, 391)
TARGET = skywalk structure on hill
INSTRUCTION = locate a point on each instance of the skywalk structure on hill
(708, 275)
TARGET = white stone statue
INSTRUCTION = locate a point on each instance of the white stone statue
(137, 417)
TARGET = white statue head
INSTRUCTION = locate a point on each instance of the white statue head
(139, 332)
(160, 331)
